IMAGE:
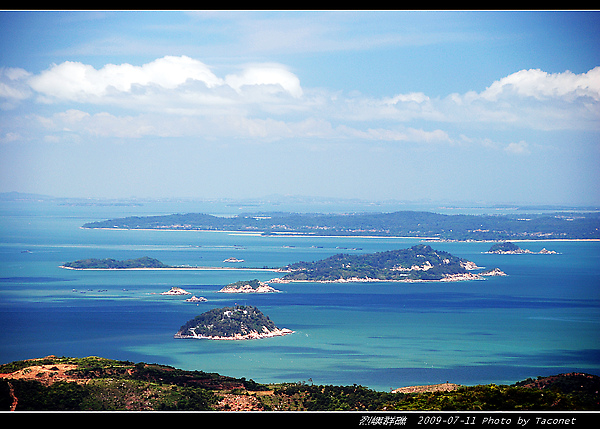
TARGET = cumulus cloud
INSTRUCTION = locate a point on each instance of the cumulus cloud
(542, 85)
(181, 96)
(75, 81)
(272, 75)
(528, 98)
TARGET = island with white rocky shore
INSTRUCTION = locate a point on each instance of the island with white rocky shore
(418, 263)
(243, 322)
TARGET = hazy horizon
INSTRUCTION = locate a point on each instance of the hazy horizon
(500, 107)
(308, 202)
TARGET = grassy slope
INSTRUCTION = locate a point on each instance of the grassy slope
(92, 383)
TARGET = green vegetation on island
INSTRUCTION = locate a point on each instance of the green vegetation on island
(98, 384)
(560, 225)
(231, 323)
(93, 263)
(504, 247)
(508, 248)
(419, 262)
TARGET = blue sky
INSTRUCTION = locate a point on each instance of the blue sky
(495, 107)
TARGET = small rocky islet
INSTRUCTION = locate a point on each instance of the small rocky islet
(509, 248)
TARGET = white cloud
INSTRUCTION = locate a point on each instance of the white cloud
(530, 99)
(72, 116)
(75, 81)
(517, 148)
(542, 85)
(10, 137)
(417, 97)
(401, 135)
(104, 124)
(182, 85)
(13, 86)
(266, 74)
(180, 96)
(140, 86)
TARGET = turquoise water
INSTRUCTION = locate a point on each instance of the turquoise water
(542, 319)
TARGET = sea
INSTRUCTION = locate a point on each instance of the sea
(542, 319)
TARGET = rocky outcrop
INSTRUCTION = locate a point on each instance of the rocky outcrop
(176, 291)
(250, 286)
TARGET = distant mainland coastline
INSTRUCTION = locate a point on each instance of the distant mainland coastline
(417, 224)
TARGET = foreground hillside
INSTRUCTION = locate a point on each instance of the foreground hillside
(94, 383)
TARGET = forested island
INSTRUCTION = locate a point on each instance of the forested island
(113, 264)
(402, 223)
(231, 323)
(417, 263)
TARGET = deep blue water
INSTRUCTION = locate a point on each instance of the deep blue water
(542, 319)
